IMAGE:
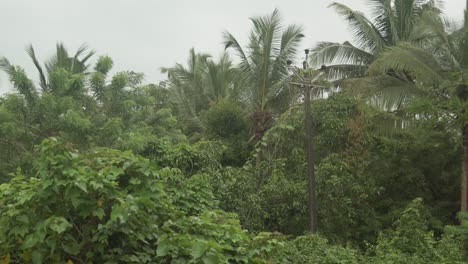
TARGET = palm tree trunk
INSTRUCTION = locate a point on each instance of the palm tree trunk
(262, 120)
(464, 178)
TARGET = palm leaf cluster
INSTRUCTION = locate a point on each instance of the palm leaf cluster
(201, 83)
(263, 65)
(393, 22)
(75, 64)
(406, 49)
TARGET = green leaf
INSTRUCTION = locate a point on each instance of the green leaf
(30, 241)
(82, 186)
(163, 246)
(37, 257)
(99, 213)
(199, 249)
(211, 259)
(71, 246)
(60, 225)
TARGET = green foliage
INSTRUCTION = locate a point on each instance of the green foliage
(203, 156)
(347, 196)
(212, 237)
(111, 206)
(104, 64)
(316, 249)
(205, 192)
(202, 82)
(411, 241)
(76, 202)
(254, 195)
(225, 119)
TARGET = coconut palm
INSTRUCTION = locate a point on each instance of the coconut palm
(441, 70)
(20, 81)
(263, 65)
(223, 80)
(60, 60)
(201, 83)
(405, 49)
(392, 22)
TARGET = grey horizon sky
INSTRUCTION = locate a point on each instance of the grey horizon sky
(145, 35)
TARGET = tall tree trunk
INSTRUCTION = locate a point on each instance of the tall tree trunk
(464, 177)
(313, 218)
(262, 122)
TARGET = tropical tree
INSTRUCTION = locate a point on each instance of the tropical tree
(440, 70)
(202, 83)
(52, 77)
(392, 22)
(263, 65)
(61, 59)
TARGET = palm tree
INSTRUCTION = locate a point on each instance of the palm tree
(200, 84)
(223, 80)
(263, 66)
(60, 60)
(405, 49)
(441, 71)
(63, 76)
(392, 22)
(20, 81)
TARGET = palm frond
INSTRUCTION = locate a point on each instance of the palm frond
(367, 35)
(231, 42)
(385, 92)
(20, 81)
(6, 66)
(463, 54)
(342, 60)
(82, 50)
(61, 59)
(339, 72)
(42, 78)
(290, 40)
(267, 31)
(409, 59)
(329, 53)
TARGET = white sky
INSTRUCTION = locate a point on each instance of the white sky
(145, 35)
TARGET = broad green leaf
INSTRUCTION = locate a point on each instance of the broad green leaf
(37, 257)
(60, 224)
(82, 186)
(199, 249)
(30, 241)
(163, 246)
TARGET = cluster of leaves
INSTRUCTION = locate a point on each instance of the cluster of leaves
(364, 179)
(109, 206)
(112, 207)
(83, 108)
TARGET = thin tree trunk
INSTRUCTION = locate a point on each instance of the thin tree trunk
(313, 218)
(464, 177)
(261, 120)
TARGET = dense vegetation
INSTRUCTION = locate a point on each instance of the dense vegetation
(209, 165)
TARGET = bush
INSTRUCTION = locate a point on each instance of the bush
(225, 119)
(108, 206)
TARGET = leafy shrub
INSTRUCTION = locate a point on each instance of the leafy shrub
(410, 241)
(108, 206)
(225, 119)
(316, 249)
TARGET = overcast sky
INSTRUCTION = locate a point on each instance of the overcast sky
(145, 35)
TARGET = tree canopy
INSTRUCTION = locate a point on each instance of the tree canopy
(209, 165)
